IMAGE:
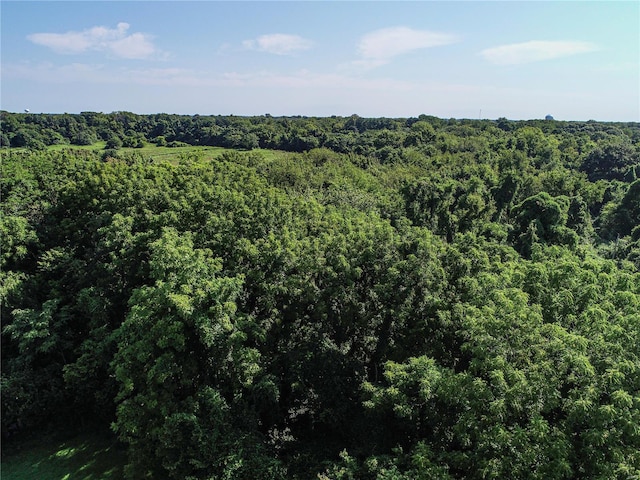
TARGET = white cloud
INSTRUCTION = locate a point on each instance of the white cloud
(382, 45)
(278, 44)
(535, 51)
(100, 74)
(70, 42)
(303, 79)
(136, 45)
(115, 41)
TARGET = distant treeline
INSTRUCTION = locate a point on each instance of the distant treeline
(385, 299)
(379, 137)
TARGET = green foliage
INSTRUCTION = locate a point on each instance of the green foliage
(183, 366)
(450, 206)
(384, 299)
(114, 143)
(542, 219)
(611, 161)
(84, 138)
(621, 217)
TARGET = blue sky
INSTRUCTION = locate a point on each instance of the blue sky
(520, 60)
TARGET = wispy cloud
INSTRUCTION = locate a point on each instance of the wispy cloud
(100, 74)
(535, 51)
(380, 46)
(116, 41)
(314, 93)
(278, 44)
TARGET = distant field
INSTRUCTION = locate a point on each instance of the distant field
(64, 146)
(84, 457)
(148, 151)
(152, 151)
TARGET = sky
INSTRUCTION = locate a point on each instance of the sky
(575, 60)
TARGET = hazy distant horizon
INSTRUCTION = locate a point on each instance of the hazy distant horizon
(576, 61)
(323, 116)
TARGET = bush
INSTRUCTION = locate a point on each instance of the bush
(175, 144)
(84, 138)
(113, 143)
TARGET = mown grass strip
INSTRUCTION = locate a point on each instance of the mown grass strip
(84, 457)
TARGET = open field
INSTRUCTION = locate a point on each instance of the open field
(151, 151)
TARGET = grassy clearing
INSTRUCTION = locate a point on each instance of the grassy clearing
(171, 154)
(83, 457)
(148, 151)
(64, 146)
(174, 154)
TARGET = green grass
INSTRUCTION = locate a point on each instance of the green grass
(171, 154)
(83, 457)
(64, 146)
(149, 150)
(174, 153)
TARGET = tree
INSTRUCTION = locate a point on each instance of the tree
(183, 368)
(27, 138)
(620, 218)
(542, 218)
(402, 309)
(84, 137)
(113, 143)
(610, 161)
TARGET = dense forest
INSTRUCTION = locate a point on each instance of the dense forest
(331, 298)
